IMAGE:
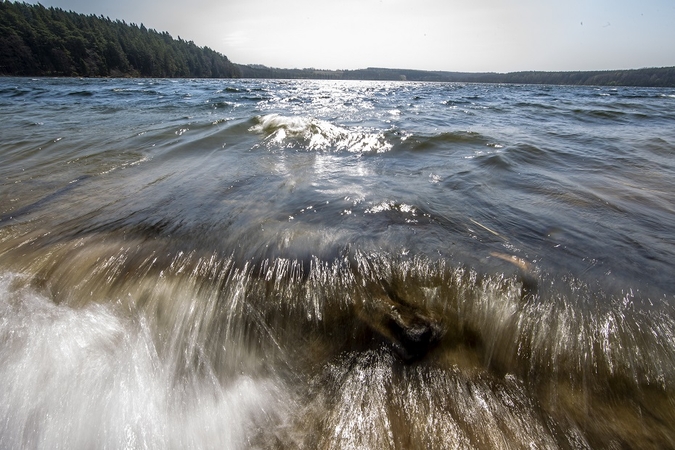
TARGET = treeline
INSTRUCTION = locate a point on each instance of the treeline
(652, 77)
(39, 41)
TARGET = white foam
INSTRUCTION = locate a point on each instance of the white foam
(315, 134)
(92, 378)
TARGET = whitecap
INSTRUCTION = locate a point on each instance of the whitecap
(314, 134)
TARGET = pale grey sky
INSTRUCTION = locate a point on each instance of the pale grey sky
(453, 35)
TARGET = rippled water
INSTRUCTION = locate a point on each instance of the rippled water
(336, 265)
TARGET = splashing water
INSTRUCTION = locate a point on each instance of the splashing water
(335, 265)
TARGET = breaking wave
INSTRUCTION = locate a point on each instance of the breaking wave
(313, 134)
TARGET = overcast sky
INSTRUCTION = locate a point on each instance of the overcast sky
(453, 35)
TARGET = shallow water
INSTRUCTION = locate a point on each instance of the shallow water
(229, 263)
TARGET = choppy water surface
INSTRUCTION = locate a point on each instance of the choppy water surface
(337, 265)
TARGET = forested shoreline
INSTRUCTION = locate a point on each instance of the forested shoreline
(649, 77)
(39, 41)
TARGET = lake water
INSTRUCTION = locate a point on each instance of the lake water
(339, 265)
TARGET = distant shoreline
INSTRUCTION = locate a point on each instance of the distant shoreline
(647, 77)
(663, 77)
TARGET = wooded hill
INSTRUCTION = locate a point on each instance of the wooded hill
(39, 41)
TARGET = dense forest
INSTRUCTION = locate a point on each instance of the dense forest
(39, 41)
